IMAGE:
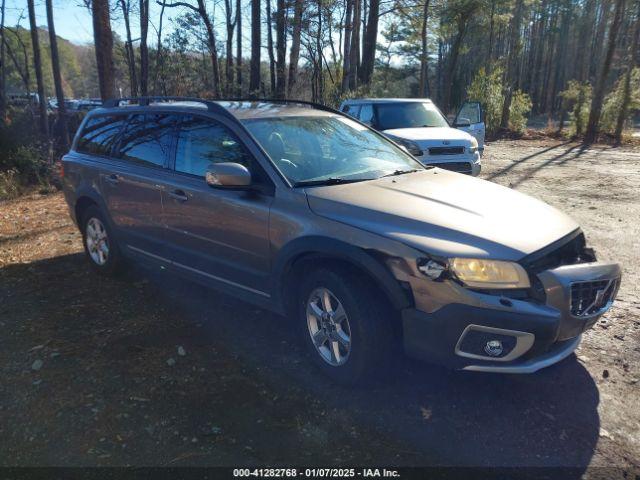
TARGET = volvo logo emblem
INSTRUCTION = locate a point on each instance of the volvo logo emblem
(493, 348)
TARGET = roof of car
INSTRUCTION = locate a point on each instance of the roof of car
(243, 110)
(240, 109)
(354, 101)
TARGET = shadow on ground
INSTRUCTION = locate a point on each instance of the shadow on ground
(244, 393)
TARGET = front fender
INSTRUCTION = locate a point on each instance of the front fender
(330, 248)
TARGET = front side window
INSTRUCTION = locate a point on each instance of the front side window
(320, 148)
(366, 114)
(352, 110)
(100, 134)
(409, 115)
(202, 141)
(147, 139)
(471, 112)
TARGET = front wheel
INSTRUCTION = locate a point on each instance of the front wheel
(345, 325)
(99, 243)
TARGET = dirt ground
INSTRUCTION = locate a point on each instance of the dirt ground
(147, 370)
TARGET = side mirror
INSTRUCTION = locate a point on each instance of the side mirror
(227, 174)
(463, 122)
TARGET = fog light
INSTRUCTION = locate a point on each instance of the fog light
(493, 348)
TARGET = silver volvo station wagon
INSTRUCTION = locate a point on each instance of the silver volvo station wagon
(302, 210)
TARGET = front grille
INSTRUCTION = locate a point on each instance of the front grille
(460, 167)
(446, 150)
(589, 298)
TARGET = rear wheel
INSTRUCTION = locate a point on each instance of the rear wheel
(345, 325)
(99, 243)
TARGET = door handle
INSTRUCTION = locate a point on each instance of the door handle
(179, 195)
(112, 179)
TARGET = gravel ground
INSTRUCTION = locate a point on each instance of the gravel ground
(147, 370)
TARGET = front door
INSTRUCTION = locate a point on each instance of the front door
(219, 234)
(472, 111)
(133, 183)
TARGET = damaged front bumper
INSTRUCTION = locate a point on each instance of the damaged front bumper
(505, 335)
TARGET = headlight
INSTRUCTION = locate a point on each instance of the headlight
(479, 273)
(474, 145)
(411, 147)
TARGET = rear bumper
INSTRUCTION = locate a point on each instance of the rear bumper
(515, 337)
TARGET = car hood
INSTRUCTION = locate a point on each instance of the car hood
(445, 213)
(430, 133)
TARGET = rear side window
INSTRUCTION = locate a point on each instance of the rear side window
(202, 141)
(147, 139)
(100, 134)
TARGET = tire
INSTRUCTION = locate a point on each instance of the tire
(368, 326)
(100, 244)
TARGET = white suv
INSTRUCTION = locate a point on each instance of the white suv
(419, 126)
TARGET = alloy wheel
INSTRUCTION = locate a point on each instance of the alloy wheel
(328, 326)
(97, 241)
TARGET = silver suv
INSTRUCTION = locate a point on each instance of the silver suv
(421, 128)
(307, 212)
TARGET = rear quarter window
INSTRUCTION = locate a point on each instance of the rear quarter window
(99, 134)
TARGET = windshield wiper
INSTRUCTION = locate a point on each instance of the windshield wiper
(328, 181)
(400, 172)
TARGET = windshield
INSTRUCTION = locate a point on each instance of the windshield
(409, 115)
(328, 149)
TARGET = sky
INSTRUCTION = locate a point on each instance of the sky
(73, 20)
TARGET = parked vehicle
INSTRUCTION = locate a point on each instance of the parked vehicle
(419, 126)
(304, 211)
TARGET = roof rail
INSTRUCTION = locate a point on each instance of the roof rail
(317, 106)
(212, 106)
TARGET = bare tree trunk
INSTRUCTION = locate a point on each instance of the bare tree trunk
(57, 78)
(320, 77)
(514, 50)
(254, 74)
(294, 54)
(159, 58)
(37, 63)
(355, 46)
(3, 67)
(281, 49)
(103, 40)
(453, 60)
(230, 24)
(424, 54)
(346, 55)
(144, 50)
(626, 89)
(491, 35)
(272, 59)
(370, 41)
(213, 49)
(239, 47)
(592, 61)
(598, 93)
(128, 47)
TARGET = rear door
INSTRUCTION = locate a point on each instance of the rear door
(218, 234)
(472, 111)
(133, 185)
